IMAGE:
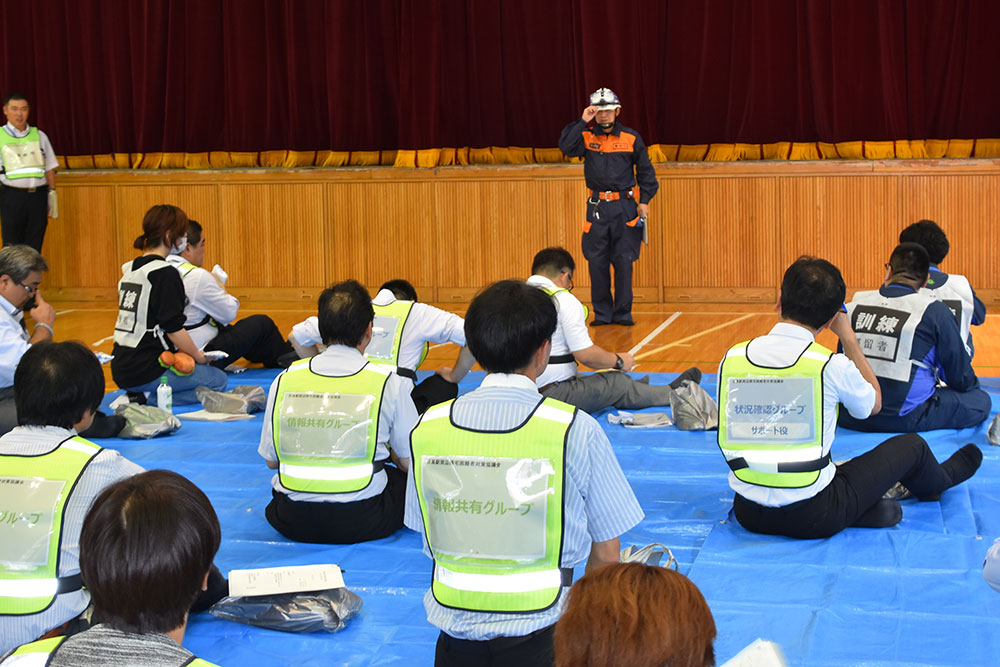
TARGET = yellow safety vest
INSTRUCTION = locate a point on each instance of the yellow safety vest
(39, 654)
(22, 156)
(771, 419)
(34, 491)
(492, 508)
(325, 428)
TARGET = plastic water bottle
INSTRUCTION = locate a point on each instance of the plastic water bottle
(165, 396)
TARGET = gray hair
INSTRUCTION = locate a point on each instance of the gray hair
(17, 261)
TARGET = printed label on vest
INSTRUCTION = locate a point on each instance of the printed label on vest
(22, 156)
(128, 306)
(325, 425)
(762, 409)
(383, 334)
(879, 330)
(502, 501)
(955, 306)
(27, 514)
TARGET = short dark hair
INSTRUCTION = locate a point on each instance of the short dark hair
(56, 383)
(345, 311)
(159, 221)
(401, 289)
(506, 324)
(146, 545)
(552, 262)
(930, 236)
(812, 291)
(13, 95)
(194, 232)
(910, 262)
(17, 261)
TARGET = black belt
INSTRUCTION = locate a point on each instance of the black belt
(796, 466)
(207, 320)
(73, 582)
(562, 359)
(406, 373)
(34, 189)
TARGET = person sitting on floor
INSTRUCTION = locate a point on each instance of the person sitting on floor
(57, 388)
(21, 273)
(552, 272)
(145, 552)
(402, 332)
(953, 289)
(331, 424)
(636, 615)
(916, 349)
(211, 312)
(778, 402)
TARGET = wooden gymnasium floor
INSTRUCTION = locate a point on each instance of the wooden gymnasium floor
(666, 337)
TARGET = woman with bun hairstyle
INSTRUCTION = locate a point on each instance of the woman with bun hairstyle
(636, 615)
(150, 339)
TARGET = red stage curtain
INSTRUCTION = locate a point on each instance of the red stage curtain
(274, 82)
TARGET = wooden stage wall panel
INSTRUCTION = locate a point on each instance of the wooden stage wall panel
(718, 232)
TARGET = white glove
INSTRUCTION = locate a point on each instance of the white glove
(219, 274)
(53, 204)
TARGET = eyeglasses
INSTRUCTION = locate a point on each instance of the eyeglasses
(31, 290)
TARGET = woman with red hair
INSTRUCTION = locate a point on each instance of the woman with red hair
(637, 615)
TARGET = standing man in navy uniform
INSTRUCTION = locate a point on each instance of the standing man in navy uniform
(27, 174)
(621, 181)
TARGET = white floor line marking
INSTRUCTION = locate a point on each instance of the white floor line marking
(698, 335)
(99, 342)
(63, 312)
(656, 332)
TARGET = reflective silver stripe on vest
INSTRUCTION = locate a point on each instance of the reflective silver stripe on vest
(338, 474)
(499, 583)
(28, 588)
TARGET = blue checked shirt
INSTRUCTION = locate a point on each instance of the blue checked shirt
(599, 503)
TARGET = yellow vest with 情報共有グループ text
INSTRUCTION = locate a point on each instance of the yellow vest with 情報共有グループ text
(771, 419)
(325, 428)
(491, 503)
(22, 156)
(34, 491)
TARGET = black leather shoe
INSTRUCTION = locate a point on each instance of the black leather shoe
(626, 323)
(598, 323)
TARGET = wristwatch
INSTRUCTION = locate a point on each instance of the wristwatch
(619, 364)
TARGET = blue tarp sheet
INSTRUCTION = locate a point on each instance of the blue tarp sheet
(908, 595)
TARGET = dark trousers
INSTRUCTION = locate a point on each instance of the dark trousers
(24, 215)
(534, 650)
(255, 338)
(341, 523)
(610, 242)
(947, 408)
(858, 485)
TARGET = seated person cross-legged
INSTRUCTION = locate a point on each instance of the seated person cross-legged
(145, 552)
(211, 312)
(331, 424)
(552, 272)
(914, 345)
(778, 398)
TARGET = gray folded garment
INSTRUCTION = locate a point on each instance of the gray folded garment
(145, 421)
(641, 419)
(243, 399)
(993, 434)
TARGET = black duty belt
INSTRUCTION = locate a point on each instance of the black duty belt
(795, 466)
(562, 359)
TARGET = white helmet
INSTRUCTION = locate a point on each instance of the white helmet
(604, 98)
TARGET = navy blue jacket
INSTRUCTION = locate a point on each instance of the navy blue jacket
(615, 161)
